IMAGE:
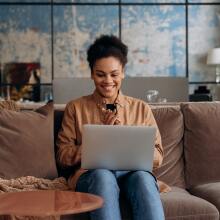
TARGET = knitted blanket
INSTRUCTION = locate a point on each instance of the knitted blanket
(10, 105)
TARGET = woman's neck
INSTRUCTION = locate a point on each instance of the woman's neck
(109, 100)
(112, 100)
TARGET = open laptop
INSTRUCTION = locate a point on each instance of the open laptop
(118, 147)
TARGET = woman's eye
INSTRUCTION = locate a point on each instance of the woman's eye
(114, 75)
(100, 75)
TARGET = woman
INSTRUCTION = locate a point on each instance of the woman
(107, 57)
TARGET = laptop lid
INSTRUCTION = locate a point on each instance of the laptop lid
(118, 147)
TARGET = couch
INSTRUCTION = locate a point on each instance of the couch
(191, 164)
(190, 167)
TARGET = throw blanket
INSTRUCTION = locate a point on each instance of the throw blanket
(29, 183)
(9, 104)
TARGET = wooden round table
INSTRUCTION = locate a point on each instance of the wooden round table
(47, 202)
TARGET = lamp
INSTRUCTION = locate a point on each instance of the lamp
(214, 59)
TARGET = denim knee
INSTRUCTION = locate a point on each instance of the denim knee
(102, 179)
(139, 178)
(103, 176)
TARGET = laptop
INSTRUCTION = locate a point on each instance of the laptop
(117, 147)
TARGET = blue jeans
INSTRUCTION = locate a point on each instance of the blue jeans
(138, 187)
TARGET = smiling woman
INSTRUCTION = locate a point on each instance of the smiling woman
(107, 57)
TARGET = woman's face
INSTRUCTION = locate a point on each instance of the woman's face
(107, 74)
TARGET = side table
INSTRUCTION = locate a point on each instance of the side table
(48, 203)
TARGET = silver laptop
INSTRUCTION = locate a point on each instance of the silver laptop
(118, 147)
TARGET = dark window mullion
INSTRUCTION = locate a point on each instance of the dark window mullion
(203, 82)
(52, 42)
(119, 17)
(187, 39)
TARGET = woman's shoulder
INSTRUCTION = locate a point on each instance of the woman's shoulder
(136, 102)
(79, 101)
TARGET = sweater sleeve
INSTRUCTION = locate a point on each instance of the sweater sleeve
(68, 154)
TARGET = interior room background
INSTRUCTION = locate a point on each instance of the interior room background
(48, 39)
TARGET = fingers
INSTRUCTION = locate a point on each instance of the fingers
(117, 122)
(108, 111)
(110, 117)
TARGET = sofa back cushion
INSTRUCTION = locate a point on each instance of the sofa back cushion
(26, 143)
(201, 142)
(170, 123)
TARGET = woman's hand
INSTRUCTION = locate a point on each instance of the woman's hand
(110, 117)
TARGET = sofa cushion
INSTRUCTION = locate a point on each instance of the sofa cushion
(209, 192)
(179, 204)
(26, 143)
(201, 142)
(170, 123)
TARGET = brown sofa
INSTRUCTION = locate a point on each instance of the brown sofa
(191, 140)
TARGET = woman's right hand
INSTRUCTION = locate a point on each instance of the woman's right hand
(110, 117)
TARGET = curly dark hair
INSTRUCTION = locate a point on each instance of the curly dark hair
(106, 46)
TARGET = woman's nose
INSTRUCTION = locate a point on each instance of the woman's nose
(108, 79)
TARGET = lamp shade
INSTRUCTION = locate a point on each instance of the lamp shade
(214, 57)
